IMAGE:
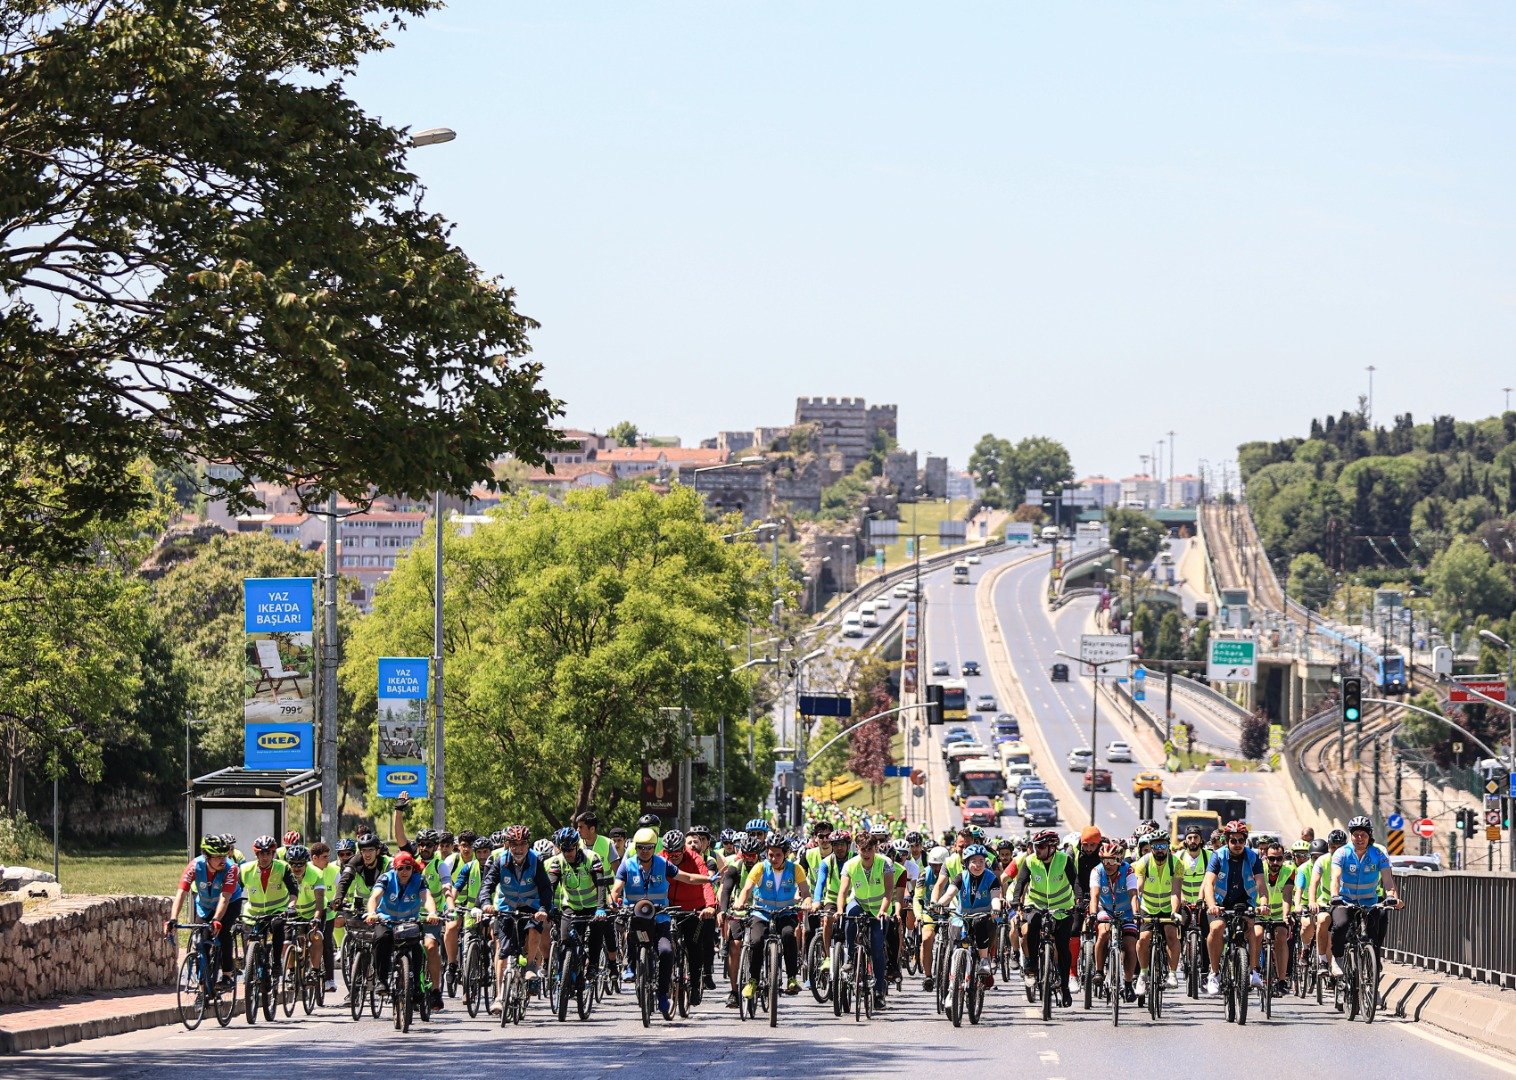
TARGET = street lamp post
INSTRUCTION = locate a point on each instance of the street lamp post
(1097, 668)
(1510, 653)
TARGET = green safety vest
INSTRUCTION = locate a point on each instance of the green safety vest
(869, 887)
(1323, 872)
(1276, 888)
(813, 861)
(1048, 888)
(577, 888)
(329, 880)
(262, 902)
(305, 901)
(431, 873)
(1158, 883)
(1194, 874)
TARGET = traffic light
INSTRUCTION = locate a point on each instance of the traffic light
(1352, 699)
(933, 703)
(1467, 822)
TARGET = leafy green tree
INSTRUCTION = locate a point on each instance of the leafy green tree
(1167, 646)
(625, 433)
(1038, 461)
(1466, 582)
(1134, 534)
(567, 628)
(990, 462)
(1310, 581)
(208, 250)
(1254, 736)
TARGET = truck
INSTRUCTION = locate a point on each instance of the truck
(1225, 804)
(961, 572)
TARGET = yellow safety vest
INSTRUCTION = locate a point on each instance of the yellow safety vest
(262, 902)
(1158, 883)
(1048, 888)
(868, 886)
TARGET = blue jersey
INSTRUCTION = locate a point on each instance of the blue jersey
(1115, 892)
(1360, 876)
(974, 896)
(1228, 871)
(651, 883)
(397, 901)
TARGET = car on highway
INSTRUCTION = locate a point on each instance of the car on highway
(1006, 728)
(1217, 764)
(1148, 780)
(940, 667)
(1018, 774)
(973, 560)
(1402, 863)
(852, 625)
(977, 810)
(901, 591)
(969, 667)
(985, 703)
(1042, 811)
(1179, 803)
(1060, 673)
(1032, 790)
(956, 735)
(1118, 751)
(1099, 779)
(1081, 758)
(882, 601)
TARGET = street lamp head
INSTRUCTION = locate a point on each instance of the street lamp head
(1494, 639)
(433, 136)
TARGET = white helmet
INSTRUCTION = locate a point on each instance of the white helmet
(544, 848)
(937, 856)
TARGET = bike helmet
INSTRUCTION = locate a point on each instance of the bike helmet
(1005, 845)
(368, 840)
(937, 856)
(468, 836)
(842, 836)
(292, 837)
(728, 836)
(1300, 847)
(752, 845)
(975, 849)
(1046, 836)
(230, 839)
(796, 845)
(297, 854)
(1159, 840)
(544, 848)
(566, 838)
(914, 838)
(516, 834)
(1235, 828)
(644, 837)
(497, 838)
(649, 821)
(756, 824)
(444, 838)
(1337, 836)
(1361, 822)
(1147, 825)
(673, 840)
(212, 844)
(1318, 847)
(346, 846)
(428, 836)
(1113, 849)
(700, 830)
(265, 843)
(976, 832)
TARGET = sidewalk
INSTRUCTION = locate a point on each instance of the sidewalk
(61, 1021)
(1480, 1012)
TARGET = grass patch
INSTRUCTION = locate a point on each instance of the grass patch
(151, 868)
(923, 517)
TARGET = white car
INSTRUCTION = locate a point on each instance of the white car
(901, 591)
(1118, 751)
(1081, 758)
(973, 560)
(1178, 803)
(881, 601)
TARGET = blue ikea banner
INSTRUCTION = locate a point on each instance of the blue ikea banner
(279, 673)
(403, 727)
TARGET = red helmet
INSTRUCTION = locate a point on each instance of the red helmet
(842, 836)
(1235, 828)
(292, 837)
(1113, 849)
(1046, 836)
(404, 861)
(518, 834)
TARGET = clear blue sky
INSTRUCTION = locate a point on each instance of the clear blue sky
(1096, 222)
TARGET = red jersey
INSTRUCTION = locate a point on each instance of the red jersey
(691, 897)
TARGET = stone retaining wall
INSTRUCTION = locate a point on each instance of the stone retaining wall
(83, 944)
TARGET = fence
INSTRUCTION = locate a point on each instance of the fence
(1457, 922)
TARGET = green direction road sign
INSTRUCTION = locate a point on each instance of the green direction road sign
(1232, 660)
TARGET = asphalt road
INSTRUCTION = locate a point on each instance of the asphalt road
(1308, 1040)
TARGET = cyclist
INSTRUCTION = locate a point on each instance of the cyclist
(698, 935)
(776, 883)
(1159, 877)
(1045, 884)
(215, 881)
(971, 893)
(360, 872)
(643, 878)
(515, 881)
(824, 890)
(587, 822)
(310, 899)
(1193, 858)
(617, 837)
(290, 838)
(935, 860)
(732, 877)
(1239, 870)
(819, 847)
(1279, 877)
(269, 887)
(1360, 870)
(430, 861)
(868, 885)
(401, 894)
(1113, 903)
(321, 859)
(1321, 894)
(579, 882)
(461, 877)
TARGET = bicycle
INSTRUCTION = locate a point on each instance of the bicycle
(1234, 963)
(298, 979)
(511, 987)
(409, 991)
(1006, 953)
(1158, 965)
(1115, 969)
(862, 989)
(686, 992)
(259, 980)
(941, 950)
(573, 978)
(1192, 950)
(1358, 985)
(910, 959)
(817, 970)
(967, 988)
(478, 974)
(1049, 971)
(1085, 969)
(645, 961)
(770, 969)
(199, 985)
(1267, 966)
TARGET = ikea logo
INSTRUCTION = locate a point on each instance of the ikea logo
(278, 740)
(400, 777)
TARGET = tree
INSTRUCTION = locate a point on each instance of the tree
(1041, 462)
(1466, 582)
(625, 433)
(990, 464)
(208, 250)
(1168, 645)
(1310, 581)
(567, 628)
(1254, 737)
(1133, 534)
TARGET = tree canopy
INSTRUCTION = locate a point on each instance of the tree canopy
(209, 251)
(1004, 471)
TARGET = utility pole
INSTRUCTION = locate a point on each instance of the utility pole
(1425, 842)
(330, 826)
(1375, 814)
(439, 796)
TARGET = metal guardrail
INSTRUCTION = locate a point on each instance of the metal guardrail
(1232, 711)
(1457, 922)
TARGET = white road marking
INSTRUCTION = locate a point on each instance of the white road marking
(1469, 1050)
(1049, 1057)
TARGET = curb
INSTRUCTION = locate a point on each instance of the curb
(1469, 1016)
(62, 1034)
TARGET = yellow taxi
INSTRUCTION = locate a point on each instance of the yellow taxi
(1147, 781)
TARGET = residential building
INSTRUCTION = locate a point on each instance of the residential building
(579, 447)
(1141, 491)
(564, 478)
(368, 545)
(1103, 491)
(1184, 491)
(664, 462)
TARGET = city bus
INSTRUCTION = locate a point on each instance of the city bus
(955, 700)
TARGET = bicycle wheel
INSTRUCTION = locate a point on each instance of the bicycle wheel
(863, 983)
(371, 989)
(584, 986)
(345, 959)
(646, 986)
(251, 982)
(1240, 989)
(472, 973)
(974, 996)
(421, 992)
(681, 983)
(1114, 976)
(568, 956)
(1266, 964)
(841, 987)
(311, 988)
(1158, 974)
(1087, 973)
(821, 978)
(956, 980)
(400, 993)
(1192, 947)
(355, 984)
(289, 980)
(774, 969)
(1347, 983)
(1048, 973)
(1368, 982)
(1006, 953)
(190, 992)
(941, 963)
